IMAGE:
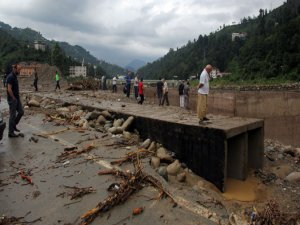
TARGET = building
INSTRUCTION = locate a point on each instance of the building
(238, 35)
(77, 71)
(39, 46)
(27, 69)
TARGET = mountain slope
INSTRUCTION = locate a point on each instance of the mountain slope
(270, 49)
(27, 36)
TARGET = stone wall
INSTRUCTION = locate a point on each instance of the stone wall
(280, 111)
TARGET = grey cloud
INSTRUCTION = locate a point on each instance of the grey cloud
(119, 31)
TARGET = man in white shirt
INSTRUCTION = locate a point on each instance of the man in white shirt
(203, 90)
(114, 83)
(165, 93)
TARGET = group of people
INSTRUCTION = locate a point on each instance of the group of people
(138, 86)
(16, 110)
(183, 89)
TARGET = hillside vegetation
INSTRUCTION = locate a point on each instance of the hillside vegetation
(271, 49)
(16, 45)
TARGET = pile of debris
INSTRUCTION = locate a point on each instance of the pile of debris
(84, 84)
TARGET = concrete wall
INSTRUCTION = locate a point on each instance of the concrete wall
(280, 111)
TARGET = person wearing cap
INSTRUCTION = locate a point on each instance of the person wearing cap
(203, 90)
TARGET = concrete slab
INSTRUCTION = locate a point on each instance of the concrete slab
(42, 200)
(205, 148)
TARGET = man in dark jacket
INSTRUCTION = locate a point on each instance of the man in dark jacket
(13, 98)
(159, 90)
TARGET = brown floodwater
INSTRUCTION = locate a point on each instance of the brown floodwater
(245, 191)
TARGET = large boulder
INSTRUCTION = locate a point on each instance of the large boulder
(164, 155)
(33, 103)
(101, 120)
(174, 168)
(106, 114)
(115, 130)
(293, 177)
(162, 171)
(91, 116)
(118, 122)
(155, 162)
(146, 143)
(181, 177)
(127, 123)
(152, 147)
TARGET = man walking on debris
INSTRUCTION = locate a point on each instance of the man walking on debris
(203, 89)
(136, 86)
(114, 84)
(57, 78)
(2, 124)
(159, 90)
(35, 82)
(181, 96)
(128, 84)
(186, 90)
(165, 93)
(13, 98)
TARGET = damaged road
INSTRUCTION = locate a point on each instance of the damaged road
(75, 166)
(58, 156)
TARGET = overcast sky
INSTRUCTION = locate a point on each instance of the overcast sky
(119, 31)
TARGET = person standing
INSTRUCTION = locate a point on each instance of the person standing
(114, 84)
(181, 96)
(2, 124)
(35, 81)
(141, 91)
(57, 78)
(4, 79)
(136, 86)
(186, 95)
(165, 93)
(203, 90)
(16, 110)
(159, 90)
(128, 84)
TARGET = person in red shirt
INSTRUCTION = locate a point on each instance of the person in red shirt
(141, 91)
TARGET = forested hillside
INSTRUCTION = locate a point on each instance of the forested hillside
(14, 47)
(271, 49)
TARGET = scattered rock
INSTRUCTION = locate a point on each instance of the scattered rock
(127, 123)
(92, 115)
(112, 130)
(126, 134)
(115, 130)
(106, 114)
(293, 177)
(63, 109)
(174, 168)
(33, 103)
(290, 151)
(164, 155)
(146, 143)
(152, 147)
(101, 120)
(162, 171)
(155, 162)
(107, 126)
(118, 122)
(181, 177)
(85, 124)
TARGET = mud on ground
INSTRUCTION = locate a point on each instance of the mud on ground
(49, 132)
